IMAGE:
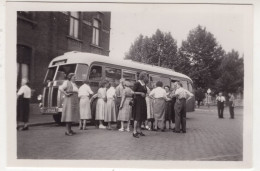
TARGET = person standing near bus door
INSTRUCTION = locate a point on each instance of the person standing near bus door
(119, 93)
(101, 104)
(70, 110)
(110, 110)
(231, 102)
(139, 108)
(149, 104)
(220, 102)
(23, 104)
(181, 95)
(159, 96)
(84, 104)
(168, 107)
(125, 109)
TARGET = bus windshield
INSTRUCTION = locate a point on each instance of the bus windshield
(50, 74)
(64, 70)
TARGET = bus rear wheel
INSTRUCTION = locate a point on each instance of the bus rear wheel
(57, 118)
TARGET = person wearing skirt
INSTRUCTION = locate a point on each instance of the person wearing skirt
(159, 95)
(110, 110)
(168, 108)
(149, 104)
(23, 104)
(125, 109)
(84, 104)
(139, 107)
(70, 110)
(101, 104)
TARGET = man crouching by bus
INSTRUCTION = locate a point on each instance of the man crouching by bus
(181, 95)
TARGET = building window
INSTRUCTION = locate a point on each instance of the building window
(74, 24)
(96, 30)
(24, 54)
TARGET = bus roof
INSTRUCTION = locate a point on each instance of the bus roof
(89, 58)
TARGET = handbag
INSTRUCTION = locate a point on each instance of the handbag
(132, 103)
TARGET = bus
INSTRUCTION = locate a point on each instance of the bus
(94, 68)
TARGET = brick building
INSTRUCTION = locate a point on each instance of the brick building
(41, 36)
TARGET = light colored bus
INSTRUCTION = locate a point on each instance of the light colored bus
(95, 68)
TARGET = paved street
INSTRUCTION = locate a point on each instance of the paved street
(207, 138)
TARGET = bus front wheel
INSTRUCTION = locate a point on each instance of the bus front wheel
(57, 118)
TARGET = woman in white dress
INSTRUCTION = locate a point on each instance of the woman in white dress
(110, 111)
(125, 110)
(84, 104)
(70, 110)
(101, 104)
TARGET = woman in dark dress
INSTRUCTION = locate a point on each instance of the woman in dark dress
(139, 108)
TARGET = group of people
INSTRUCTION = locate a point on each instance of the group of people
(221, 104)
(137, 105)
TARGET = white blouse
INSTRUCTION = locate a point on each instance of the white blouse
(26, 91)
(158, 92)
(85, 90)
(65, 85)
(111, 92)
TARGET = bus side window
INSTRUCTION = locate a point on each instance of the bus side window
(95, 73)
(113, 74)
(184, 84)
(130, 76)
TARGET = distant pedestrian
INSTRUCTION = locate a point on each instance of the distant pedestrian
(139, 108)
(220, 103)
(110, 109)
(70, 110)
(119, 93)
(231, 102)
(101, 104)
(181, 95)
(168, 108)
(159, 95)
(85, 111)
(23, 104)
(125, 109)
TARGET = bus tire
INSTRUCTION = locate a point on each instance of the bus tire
(57, 118)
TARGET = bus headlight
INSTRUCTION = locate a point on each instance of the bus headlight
(39, 97)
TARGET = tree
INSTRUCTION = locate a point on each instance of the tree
(199, 57)
(232, 73)
(160, 49)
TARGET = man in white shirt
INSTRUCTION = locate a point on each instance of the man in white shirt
(181, 95)
(220, 103)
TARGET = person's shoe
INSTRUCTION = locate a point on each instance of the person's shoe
(68, 133)
(85, 128)
(163, 130)
(72, 132)
(140, 133)
(108, 128)
(121, 129)
(176, 131)
(102, 127)
(80, 128)
(25, 128)
(135, 135)
(154, 129)
(128, 129)
(183, 132)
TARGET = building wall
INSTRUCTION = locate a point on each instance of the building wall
(46, 35)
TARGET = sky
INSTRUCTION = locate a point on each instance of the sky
(228, 24)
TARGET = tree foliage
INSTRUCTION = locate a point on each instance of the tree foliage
(200, 56)
(160, 49)
(232, 73)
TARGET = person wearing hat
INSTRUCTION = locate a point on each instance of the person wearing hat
(23, 104)
(119, 93)
(125, 109)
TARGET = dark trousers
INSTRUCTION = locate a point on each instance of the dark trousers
(231, 111)
(220, 109)
(118, 102)
(180, 115)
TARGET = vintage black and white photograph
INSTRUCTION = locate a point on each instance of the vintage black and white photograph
(133, 82)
